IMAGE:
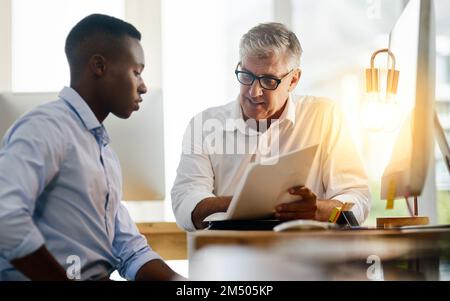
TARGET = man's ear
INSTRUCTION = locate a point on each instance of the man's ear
(295, 79)
(97, 65)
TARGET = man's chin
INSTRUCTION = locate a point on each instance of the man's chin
(251, 112)
(123, 115)
(255, 116)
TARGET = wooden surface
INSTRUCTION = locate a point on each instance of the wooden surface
(200, 239)
(408, 254)
(166, 239)
(389, 222)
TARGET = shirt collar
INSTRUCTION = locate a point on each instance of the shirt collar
(84, 112)
(289, 112)
(288, 115)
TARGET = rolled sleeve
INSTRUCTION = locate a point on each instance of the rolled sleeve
(345, 177)
(186, 204)
(194, 183)
(130, 270)
(130, 246)
(195, 177)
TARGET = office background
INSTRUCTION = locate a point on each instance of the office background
(191, 50)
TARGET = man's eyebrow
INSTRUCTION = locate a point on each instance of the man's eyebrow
(265, 75)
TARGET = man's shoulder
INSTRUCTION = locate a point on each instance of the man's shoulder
(55, 108)
(312, 105)
(43, 118)
(54, 112)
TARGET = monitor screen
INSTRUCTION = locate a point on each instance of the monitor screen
(138, 141)
(412, 40)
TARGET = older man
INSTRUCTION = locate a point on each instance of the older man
(268, 72)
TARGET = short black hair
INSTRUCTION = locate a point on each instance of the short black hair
(96, 33)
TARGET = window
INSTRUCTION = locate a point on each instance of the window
(38, 37)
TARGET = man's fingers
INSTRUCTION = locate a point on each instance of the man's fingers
(304, 208)
(295, 190)
(303, 191)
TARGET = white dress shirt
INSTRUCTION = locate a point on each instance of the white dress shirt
(218, 146)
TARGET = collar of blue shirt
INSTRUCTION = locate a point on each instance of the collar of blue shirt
(87, 117)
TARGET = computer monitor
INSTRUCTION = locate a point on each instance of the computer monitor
(138, 141)
(413, 41)
(442, 142)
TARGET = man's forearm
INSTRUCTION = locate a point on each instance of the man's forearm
(40, 266)
(324, 209)
(207, 207)
(156, 270)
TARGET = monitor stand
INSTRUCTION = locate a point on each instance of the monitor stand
(396, 222)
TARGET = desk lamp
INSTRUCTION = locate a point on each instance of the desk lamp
(380, 110)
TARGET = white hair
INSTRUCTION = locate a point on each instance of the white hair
(269, 39)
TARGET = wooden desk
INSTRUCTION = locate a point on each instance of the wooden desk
(426, 247)
(166, 239)
(200, 239)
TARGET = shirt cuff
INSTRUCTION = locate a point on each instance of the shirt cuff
(138, 262)
(184, 212)
(33, 241)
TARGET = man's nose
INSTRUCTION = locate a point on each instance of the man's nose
(142, 89)
(256, 89)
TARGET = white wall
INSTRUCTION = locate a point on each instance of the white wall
(5, 49)
(145, 15)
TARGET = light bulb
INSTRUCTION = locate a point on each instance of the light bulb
(380, 113)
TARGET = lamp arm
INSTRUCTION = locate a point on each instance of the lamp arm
(374, 55)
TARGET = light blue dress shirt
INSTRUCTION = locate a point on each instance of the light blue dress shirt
(60, 185)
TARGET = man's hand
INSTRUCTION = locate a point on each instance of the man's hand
(306, 207)
(207, 207)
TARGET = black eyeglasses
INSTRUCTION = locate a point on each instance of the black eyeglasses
(266, 82)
